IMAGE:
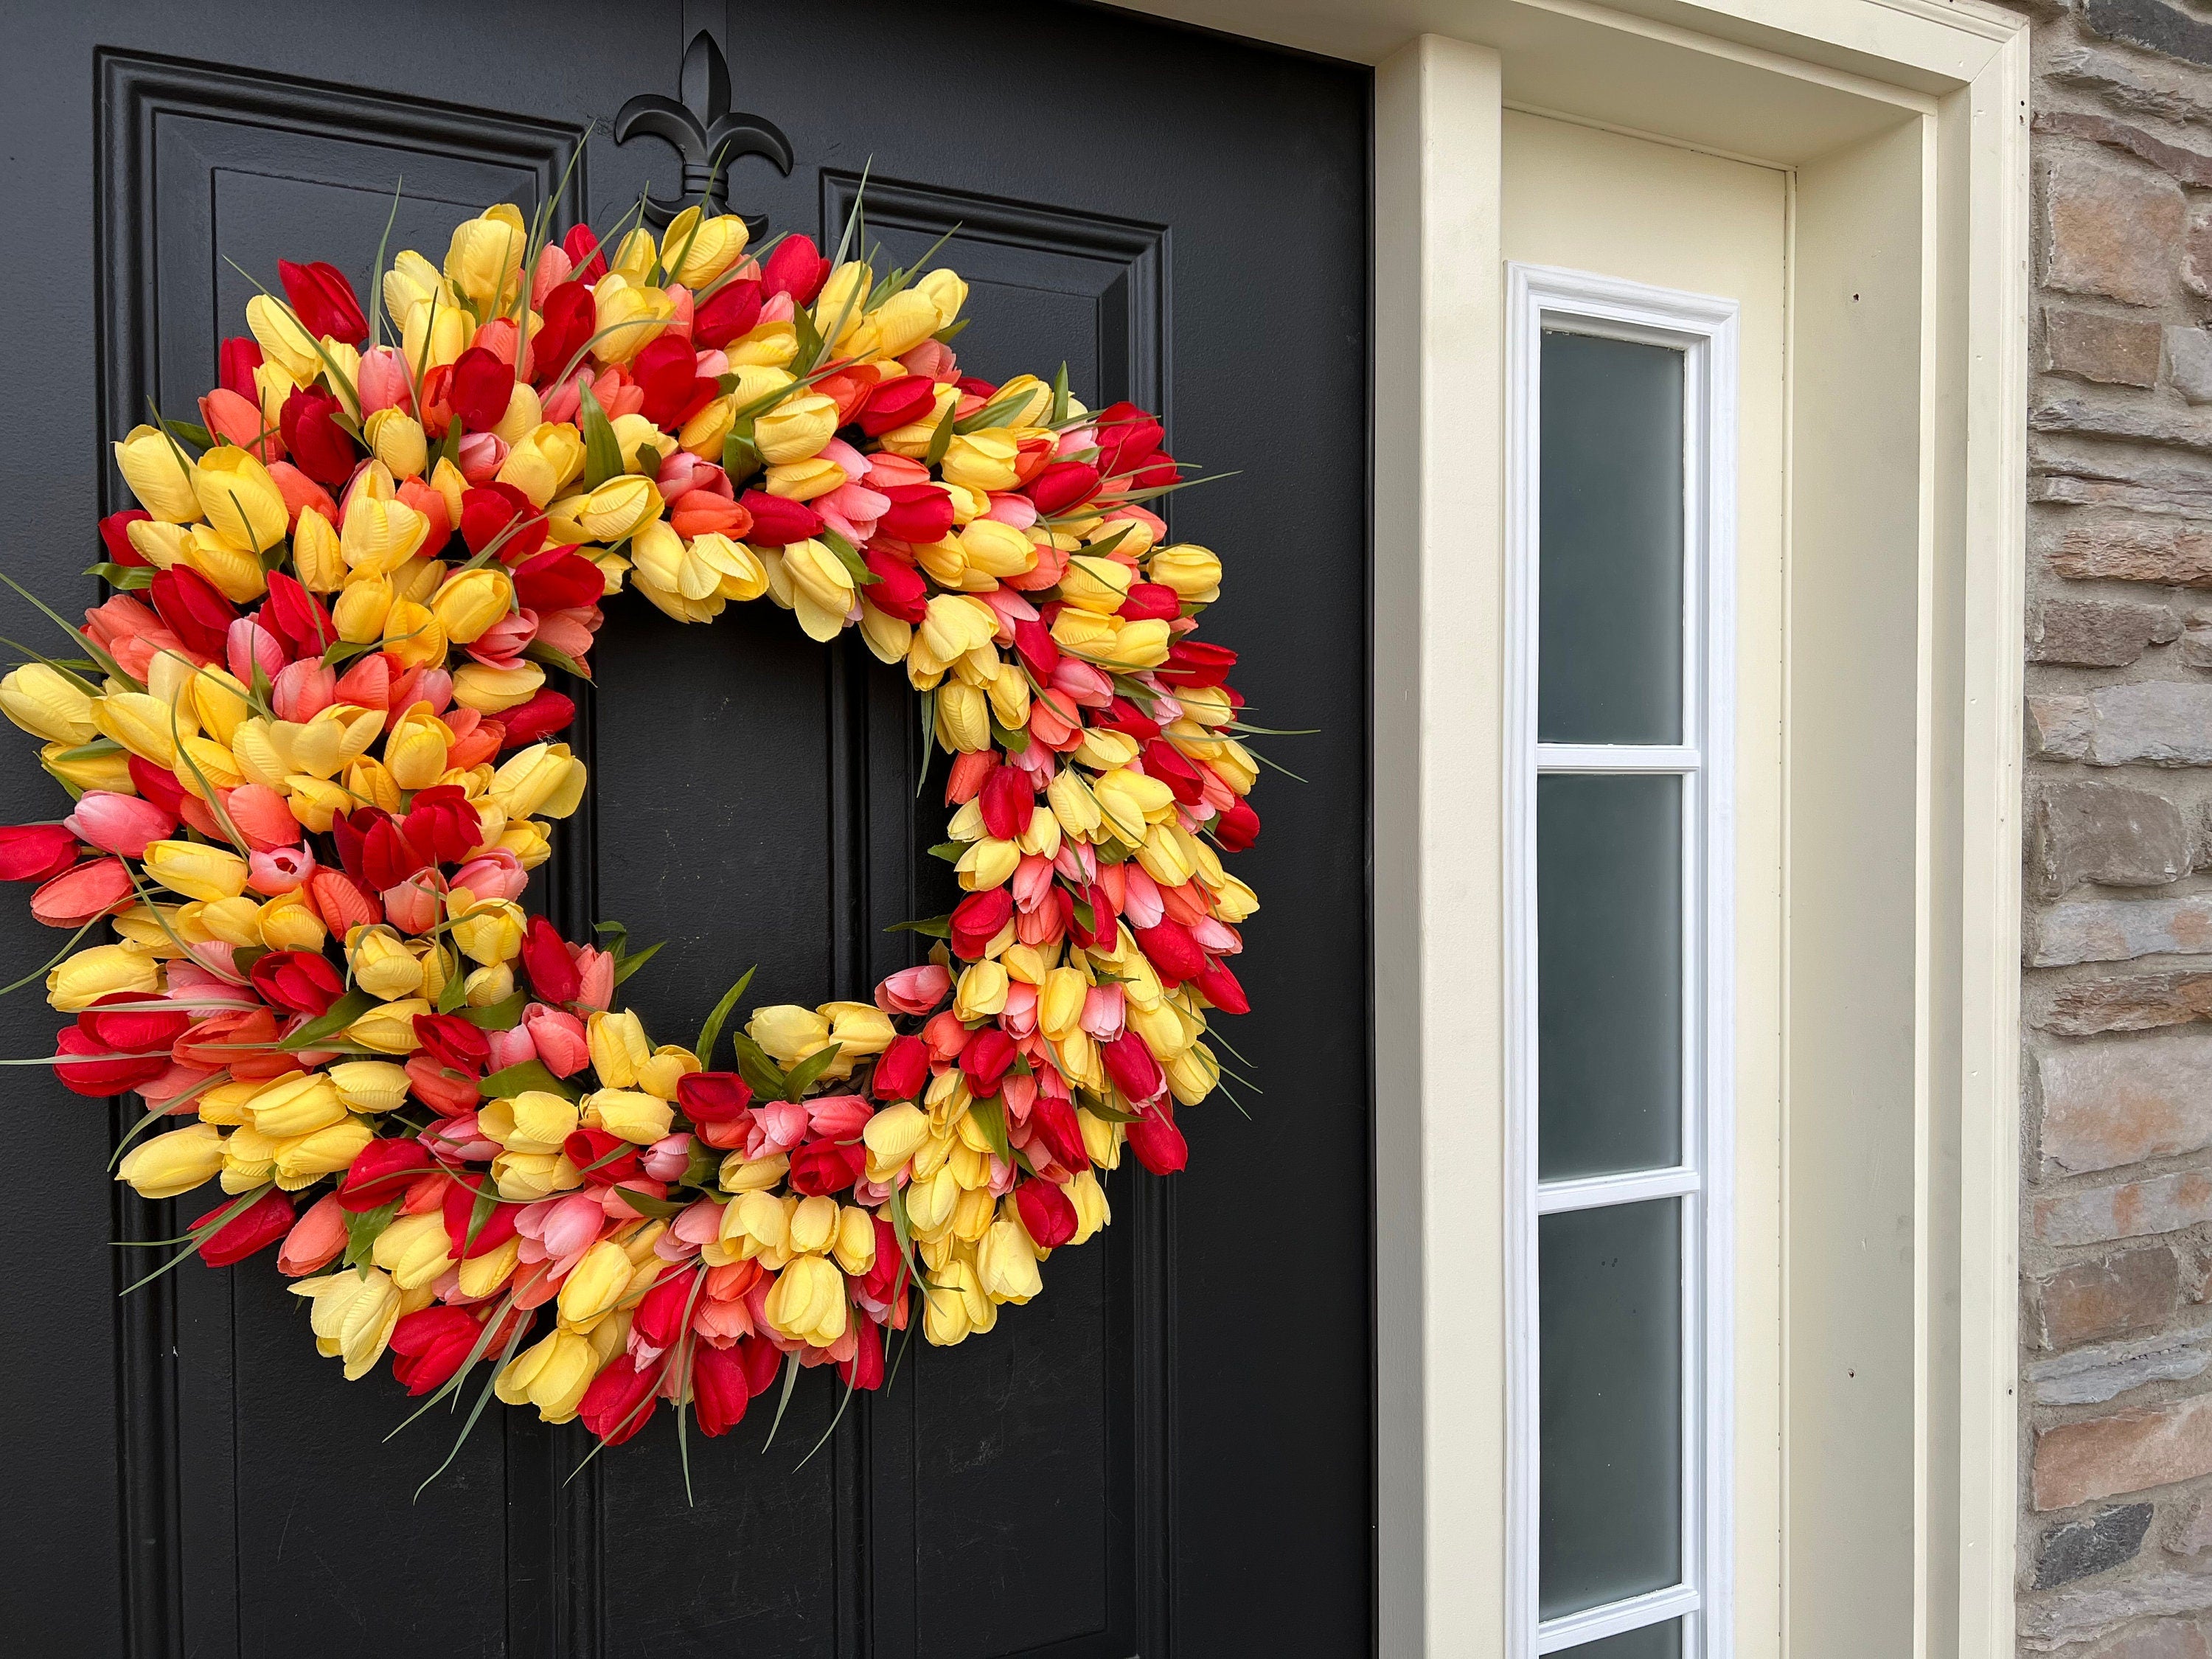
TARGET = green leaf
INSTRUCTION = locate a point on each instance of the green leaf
(455, 992)
(500, 1015)
(1013, 740)
(342, 1013)
(951, 851)
(950, 332)
(1059, 394)
(630, 964)
(801, 1076)
(347, 650)
(538, 651)
(711, 1032)
(941, 439)
(741, 457)
(1099, 1107)
(527, 1074)
(658, 1208)
(191, 432)
(991, 1117)
(616, 935)
(811, 344)
(364, 1227)
(933, 928)
(762, 1075)
(125, 578)
(847, 556)
(603, 456)
(790, 1382)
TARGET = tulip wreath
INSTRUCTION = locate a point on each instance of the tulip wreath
(314, 751)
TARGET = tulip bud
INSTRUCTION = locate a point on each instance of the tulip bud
(470, 602)
(354, 1313)
(160, 475)
(628, 1114)
(807, 1302)
(195, 870)
(552, 1375)
(594, 1285)
(47, 703)
(165, 1165)
(240, 499)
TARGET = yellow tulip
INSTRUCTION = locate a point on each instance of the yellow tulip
(155, 467)
(535, 1120)
(363, 604)
(161, 544)
(594, 1285)
(395, 438)
(1091, 1210)
(1194, 572)
(412, 635)
(481, 1275)
(489, 930)
(892, 1136)
(47, 703)
(981, 990)
(484, 261)
(696, 251)
(1097, 585)
(821, 588)
(544, 778)
(109, 769)
(617, 508)
(389, 1028)
(491, 689)
(628, 1114)
(415, 1250)
(165, 1165)
(525, 1177)
(660, 1075)
(369, 1086)
(795, 428)
(280, 333)
(235, 573)
(435, 331)
(802, 481)
(543, 461)
(982, 460)
(551, 1373)
(837, 306)
(296, 1103)
(998, 550)
(628, 317)
(953, 625)
(353, 1314)
(945, 291)
(249, 1160)
(703, 434)
(963, 718)
(1111, 643)
(808, 1302)
(470, 602)
(382, 965)
(195, 869)
(378, 536)
(788, 1032)
(414, 752)
(1006, 1264)
(619, 1046)
(321, 1152)
(904, 322)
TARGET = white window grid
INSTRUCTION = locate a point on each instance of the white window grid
(1541, 299)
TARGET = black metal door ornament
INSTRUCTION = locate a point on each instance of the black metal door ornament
(706, 133)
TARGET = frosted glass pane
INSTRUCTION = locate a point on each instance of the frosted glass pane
(1652, 1642)
(1608, 974)
(1609, 1314)
(1609, 538)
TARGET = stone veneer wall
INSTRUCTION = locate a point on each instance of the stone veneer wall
(2116, 1383)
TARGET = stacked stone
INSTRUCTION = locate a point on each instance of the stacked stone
(2116, 1544)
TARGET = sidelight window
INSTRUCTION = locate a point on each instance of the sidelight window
(1621, 515)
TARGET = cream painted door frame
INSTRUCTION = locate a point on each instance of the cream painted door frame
(1901, 124)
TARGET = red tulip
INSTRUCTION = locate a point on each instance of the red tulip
(585, 262)
(296, 617)
(1176, 769)
(1009, 801)
(318, 444)
(1167, 943)
(571, 318)
(108, 1076)
(985, 1061)
(777, 522)
(545, 959)
(713, 1097)
(431, 1344)
(444, 823)
(719, 1391)
(35, 852)
(601, 1159)
(919, 513)
(339, 901)
(240, 357)
(324, 300)
(822, 1167)
(902, 1070)
(1063, 485)
(459, 1212)
(1053, 1120)
(489, 510)
(895, 404)
(117, 1023)
(1157, 1142)
(479, 389)
(545, 714)
(1126, 436)
(1237, 828)
(454, 1041)
(1193, 662)
(254, 1228)
(901, 591)
(115, 536)
(440, 1089)
(1130, 1063)
(978, 920)
(621, 1400)
(1038, 650)
(387, 856)
(1046, 1213)
(299, 981)
(1220, 987)
(241, 1038)
(796, 267)
(195, 613)
(666, 372)
(380, 1171)
(731, 310)
(558, 580)
(1150, 602)
(866, 1368)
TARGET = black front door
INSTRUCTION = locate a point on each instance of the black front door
(1169, 1451)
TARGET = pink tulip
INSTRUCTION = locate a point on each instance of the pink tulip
(458, 1139)
(119, 823)
(1011, 608)
(76, 896)
(1105, 1012)
(932, 359)
(300, 492)
(432, 686)
(119, 618)
(568, 1227)
(1018, 1017)
(482, 455)
(262, 816)
(667, 1158)
(235, 419)
(1019, 1090)
(700, 1225)
(554, 268)
(382, 381)
(279, 869)
(1078, 863)
(1141, 901)
(565, 401)
(559, 1038)
(168, 1092)
(415, 906)
(1008, 508)
(1089, 686)
(595, 970)
(720, 1323)
(914, 990)
(315, 1239)
(501, 645)
(839, 1117)
(497, 874)
(1032, 883)
(303, 690)
(508, 1047)
(368, 683)
(782, 1121)
(571, 631)
(247, 645)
